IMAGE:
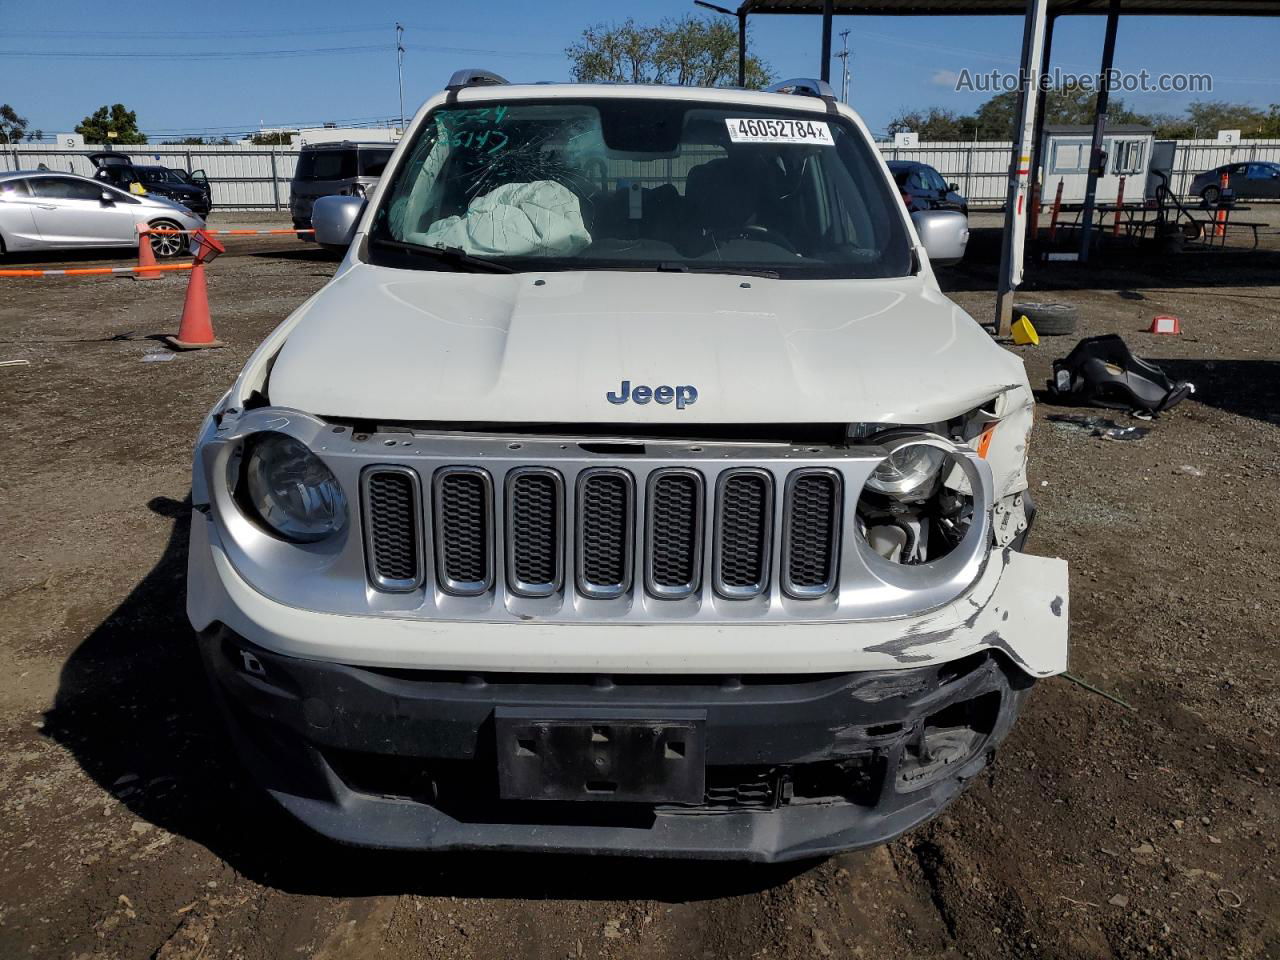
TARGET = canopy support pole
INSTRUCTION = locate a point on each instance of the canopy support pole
(742, 47)
(828, 8)
(1038, 174)
(1098, 159)
(1015, 210)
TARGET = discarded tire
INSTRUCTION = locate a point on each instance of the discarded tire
(1050, 319)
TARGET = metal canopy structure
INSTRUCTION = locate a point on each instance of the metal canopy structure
(975, 8)
(1036, 41)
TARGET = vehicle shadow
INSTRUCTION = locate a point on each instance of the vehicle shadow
(1248, 388)
(308, 253)
(134, 707)
(1113, 268)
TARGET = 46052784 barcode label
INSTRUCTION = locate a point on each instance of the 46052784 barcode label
(763, 130)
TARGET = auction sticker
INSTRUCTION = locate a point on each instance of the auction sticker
(760, 130)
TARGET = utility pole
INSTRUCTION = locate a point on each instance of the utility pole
(400, 70)
(843, 57)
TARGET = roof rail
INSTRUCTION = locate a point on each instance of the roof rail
(473, 78)
(804, 87)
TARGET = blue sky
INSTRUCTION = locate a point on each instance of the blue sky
(896, 62)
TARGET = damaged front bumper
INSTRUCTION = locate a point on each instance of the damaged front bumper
(794, 766)
(816, 736)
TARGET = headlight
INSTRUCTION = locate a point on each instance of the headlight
(908, 472)
(292, 491)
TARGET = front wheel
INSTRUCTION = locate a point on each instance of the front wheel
(166, 246)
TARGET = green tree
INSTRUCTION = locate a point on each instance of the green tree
(935, 123)
(276, 138)
(691, 51)
(1207, 117)
(116, 119)
(12, 126)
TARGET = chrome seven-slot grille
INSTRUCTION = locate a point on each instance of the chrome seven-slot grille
(539, 524)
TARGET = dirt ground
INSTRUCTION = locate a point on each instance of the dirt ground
(127, 829)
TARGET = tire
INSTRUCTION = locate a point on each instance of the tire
(166, 246)
(1210, 195)
(1050, 319)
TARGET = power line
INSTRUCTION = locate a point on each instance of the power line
(190, 54)
(263, 54)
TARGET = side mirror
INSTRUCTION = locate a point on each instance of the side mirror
(953, 187)
(943, 233)
(108, 198)
(335, 219)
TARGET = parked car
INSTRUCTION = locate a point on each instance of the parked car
(923, 188)
(347, 168)
(43, 210)
(1248, 181)
(192, 190)
(631, 487)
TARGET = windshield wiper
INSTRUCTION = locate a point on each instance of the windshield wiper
(737, 271)
(456, 258)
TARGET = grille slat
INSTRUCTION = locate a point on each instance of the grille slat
(811, 535)
(464, 530)
(605, 524)
(392, 507)
(744, 523)
(674, 531)
(534, 524)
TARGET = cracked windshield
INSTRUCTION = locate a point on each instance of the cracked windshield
(644, 185)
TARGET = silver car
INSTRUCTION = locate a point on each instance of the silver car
(45, 210)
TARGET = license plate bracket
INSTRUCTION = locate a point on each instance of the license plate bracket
(601, 755)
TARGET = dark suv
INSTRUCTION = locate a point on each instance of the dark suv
(346, 168)
(189, 189)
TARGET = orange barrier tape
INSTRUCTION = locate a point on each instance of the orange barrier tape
(242, 233)
(93, 271)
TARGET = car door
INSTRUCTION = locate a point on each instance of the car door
(942, 199)
(70, 211)
(1261, 180)
(17, 219)
(921, 196)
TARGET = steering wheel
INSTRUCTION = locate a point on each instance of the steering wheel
(765, 234)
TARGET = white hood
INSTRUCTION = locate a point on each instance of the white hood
(385, 344)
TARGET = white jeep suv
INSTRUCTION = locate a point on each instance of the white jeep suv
(630, 488)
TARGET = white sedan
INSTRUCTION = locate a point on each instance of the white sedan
(45, 210)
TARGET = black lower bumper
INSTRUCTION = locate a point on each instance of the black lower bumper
(794, 766)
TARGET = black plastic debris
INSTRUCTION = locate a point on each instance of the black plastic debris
(1103, 427)
(1103, 372)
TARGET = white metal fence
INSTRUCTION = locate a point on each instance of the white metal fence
(257, 178)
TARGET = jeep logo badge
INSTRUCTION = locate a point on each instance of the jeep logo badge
(684, 395)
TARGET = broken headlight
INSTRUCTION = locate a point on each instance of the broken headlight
(917, 505)
(291, 490)
(908, 473)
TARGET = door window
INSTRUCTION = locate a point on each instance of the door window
(10, 189)
(1262, 171)
(61, 188)
(373, 162)
(326, 165)
(1128, 156)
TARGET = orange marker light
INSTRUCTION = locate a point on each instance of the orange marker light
(984, 441)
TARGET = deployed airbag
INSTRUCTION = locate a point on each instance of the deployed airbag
(542, 218)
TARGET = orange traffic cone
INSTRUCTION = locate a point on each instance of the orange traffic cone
(1165, 324)
(195, 332)
(146, 256)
